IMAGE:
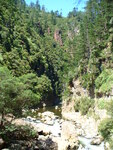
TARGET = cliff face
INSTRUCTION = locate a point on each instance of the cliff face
(57, 37)
(86, 124)
(77, 92)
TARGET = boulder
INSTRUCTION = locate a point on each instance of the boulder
(1, 143)
(97, 140)
(48, 113)
(66, 145)
(69, 139)
(68, 131)
(47, 120)
(46, 144)
(48, 117)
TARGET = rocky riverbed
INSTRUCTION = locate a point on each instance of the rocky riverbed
(63, 133)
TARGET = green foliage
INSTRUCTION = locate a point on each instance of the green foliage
(14, 95)
(84, 41)
(77, 105)
(106, 128)
(83, 105)
(102, 104)
(40, 86)
(109, 107)
(44, 86)
(104, 82)
(13, 132)
(111, 142)
(96, 45)
(66, 93)
(106, 125)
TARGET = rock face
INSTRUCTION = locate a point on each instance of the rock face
(68, 131)
(78, 91)
(68, 106)
(57, 37)
(87, 127)
(69, 138)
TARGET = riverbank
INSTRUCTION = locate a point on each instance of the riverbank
(63, 132)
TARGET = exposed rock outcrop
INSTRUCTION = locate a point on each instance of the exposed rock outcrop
(77, 92)
(87, 127)
(57, 37)
(68, 136)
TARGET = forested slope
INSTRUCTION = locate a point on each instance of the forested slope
(45, 51)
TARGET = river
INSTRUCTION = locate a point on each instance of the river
(55, 128)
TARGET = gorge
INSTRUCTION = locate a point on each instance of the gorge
(56, 77)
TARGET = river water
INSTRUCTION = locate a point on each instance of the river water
(56, 127)
(88, 146)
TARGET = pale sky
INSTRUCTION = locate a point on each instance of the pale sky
(64, 6)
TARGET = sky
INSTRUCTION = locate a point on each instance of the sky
(64, 6)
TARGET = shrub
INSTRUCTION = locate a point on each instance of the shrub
(13, 132)
(77, 105)
(14, 95)
(110, 141)
(83, 105)
(106, 128)
(104, 82)
(102, 104)
(109, 107)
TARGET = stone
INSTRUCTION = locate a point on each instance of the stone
(97, 140)
(56, 107)
(39, 114)
(36, 148)
(20, 122)
(48, 117)
(48, 113)
(81, 147)
(57, 36)
(69, 139)
(66, 145)
(107, 146)
(32, 110)
(47, 144)
(44, 105)
(47, 120)
(1, 143)
(15, 146)
(29, 117)
(68, 131)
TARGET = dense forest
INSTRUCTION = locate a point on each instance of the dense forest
(41, 52)
(51, 49)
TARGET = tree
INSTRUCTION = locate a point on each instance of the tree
(40, 86)
(37, 5)
(14, 95)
